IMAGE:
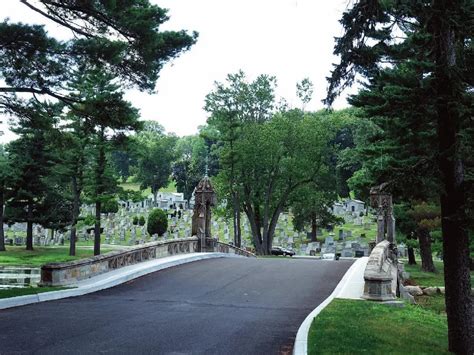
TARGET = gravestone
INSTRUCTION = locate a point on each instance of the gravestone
(341, 234)
(329, 241)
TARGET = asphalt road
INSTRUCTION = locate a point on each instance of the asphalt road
(216, 306)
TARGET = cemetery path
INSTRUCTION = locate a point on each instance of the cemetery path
(216, 306)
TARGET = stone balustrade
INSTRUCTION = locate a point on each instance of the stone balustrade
(381, 274)
(67, 273)
(232, 249)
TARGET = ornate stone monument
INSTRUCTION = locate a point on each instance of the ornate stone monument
(381, 200)
(205, 198)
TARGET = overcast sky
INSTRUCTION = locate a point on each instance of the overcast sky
(290, 39)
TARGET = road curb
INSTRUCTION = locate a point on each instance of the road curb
(301, 342)
(102, 283)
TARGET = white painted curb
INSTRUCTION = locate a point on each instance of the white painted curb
(102, 282)
(301, 342)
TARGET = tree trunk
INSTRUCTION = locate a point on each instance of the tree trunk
(239, 229)
(411, 256)
(29, 227)
(97, 228)
(256, 238)
(452, 197)
(314, 236)
(99, 190)
(425, 251)
(2, 232)
(272, 226)
(236, 221)
(75, 216)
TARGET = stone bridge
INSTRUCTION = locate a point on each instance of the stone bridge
(67, 273)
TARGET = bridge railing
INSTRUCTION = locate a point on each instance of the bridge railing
(232, 249)
(60, 274)
(381, 274)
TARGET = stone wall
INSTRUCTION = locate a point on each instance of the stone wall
(60, 274)
(381, 274)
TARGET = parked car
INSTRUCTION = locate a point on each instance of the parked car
(282, 251)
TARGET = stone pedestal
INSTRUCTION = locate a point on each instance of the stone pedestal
(378, 289)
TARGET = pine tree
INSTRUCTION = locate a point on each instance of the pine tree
(437, 36)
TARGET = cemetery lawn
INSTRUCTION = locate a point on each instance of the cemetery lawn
(423, 278)
(42, 255)
(435, 303)
(352, 326)
(134, 186)
(15, 292)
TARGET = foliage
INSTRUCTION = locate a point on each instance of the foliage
(135, 220)
(38, 194)
(155, 154)
(89, 220)
(121, 38)
(157, 222)
(110, 206)
(311, 206)
(130, 195)
(190, 165)
(304, 91)
(141, 221)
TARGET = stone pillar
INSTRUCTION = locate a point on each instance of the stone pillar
(205, 198)
(382, 201)
(391, 229)
(380, 229)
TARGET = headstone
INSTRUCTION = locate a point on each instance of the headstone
(341, 234)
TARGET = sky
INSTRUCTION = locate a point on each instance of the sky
(289, 39)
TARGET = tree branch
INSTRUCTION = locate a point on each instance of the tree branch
(58, 21)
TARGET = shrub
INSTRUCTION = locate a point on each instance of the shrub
(110, 206)
(135, 220)
(157, 222)
(141, 221)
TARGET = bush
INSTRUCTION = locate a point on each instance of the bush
(157, 222)
(89, 220)
(135, 220)
(141, 221)
(110, 206)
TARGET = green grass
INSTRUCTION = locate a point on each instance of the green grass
(15, 292)
(134, 186)
(353, 327)
(42, 255)
(434, 303)
(423, 278)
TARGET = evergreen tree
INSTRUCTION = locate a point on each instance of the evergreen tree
(436, 39)
(122, 38)
(33, 158)
(106, 117)
(5, 181)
